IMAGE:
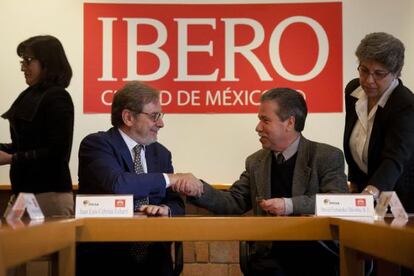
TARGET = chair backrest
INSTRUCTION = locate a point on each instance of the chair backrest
(178, 258)
(244, 257)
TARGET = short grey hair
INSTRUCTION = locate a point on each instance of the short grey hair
(384, 49)
(290, 102)
(133, 96)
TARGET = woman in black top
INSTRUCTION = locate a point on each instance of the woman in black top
(41, 127)
(379, 122)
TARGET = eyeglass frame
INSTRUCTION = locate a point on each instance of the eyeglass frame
(26, 61)
(366, 73)
(155, 116)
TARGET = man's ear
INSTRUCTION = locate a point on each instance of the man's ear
(291, 123)
(128, 117)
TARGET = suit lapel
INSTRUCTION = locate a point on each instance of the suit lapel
(379, 119)
(302, 171)
(152, 160)
(122, 149)
(352, 118)
(263, 175)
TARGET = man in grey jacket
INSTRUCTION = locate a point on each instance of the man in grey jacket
(282, 179)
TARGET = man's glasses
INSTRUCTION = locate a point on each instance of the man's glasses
(376, 75)
(154, 116)
(26, 61)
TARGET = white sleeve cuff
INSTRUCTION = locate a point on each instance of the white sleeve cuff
(167, 180)
(288, 206)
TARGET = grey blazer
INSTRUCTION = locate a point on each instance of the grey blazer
(319, 168)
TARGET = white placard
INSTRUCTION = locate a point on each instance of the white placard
(99, 206)
(24, 202)
(344, 205)
(390, 199)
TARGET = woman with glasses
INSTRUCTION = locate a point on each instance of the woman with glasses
(41, 127)
(379, 122)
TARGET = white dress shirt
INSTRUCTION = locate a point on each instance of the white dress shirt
(361, 134)
(131, 144)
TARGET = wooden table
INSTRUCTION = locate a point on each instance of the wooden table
(386, 240)
(379, 239)
(195, 228)
(21, 242)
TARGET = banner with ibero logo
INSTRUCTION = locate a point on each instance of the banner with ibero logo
(213, 58)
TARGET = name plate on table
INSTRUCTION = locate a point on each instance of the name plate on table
(390, 199)
(345, 205)
(25, 202)
(100, 206)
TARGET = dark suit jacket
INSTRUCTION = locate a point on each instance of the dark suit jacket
(391, 146)
(319, 168)
(41, 128)
(106, 167)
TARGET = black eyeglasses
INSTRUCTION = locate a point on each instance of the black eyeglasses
(376, 75)
(155, 116)
(26, 61)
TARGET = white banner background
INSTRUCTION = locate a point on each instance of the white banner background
(212, 146)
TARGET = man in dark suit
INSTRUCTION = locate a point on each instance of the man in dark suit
(282, 179)
(126, 159)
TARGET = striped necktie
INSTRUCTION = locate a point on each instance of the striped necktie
(139, 250)
(138, 168)
(280, 159)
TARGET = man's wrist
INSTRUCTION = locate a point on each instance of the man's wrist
(169, 213)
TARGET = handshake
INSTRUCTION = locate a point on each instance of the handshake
(186, 183)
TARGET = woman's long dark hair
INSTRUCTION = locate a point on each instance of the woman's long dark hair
(49, 52)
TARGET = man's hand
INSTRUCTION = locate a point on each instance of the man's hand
(5, 158)
(154, 210)
(274, 206)
(187, 184)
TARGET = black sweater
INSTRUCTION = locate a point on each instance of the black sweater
(41, 127)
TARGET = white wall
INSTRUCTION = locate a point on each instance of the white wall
(212, 146)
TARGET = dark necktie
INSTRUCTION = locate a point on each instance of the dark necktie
(137, 159)
(280, 159)
(139, 250)
(138, 168)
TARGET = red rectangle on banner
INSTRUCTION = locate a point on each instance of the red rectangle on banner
(211, 58)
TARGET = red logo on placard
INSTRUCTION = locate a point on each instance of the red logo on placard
(360, 202)
(119, 202)
(212, 58)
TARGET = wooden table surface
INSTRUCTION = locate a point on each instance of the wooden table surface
(24, 241)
